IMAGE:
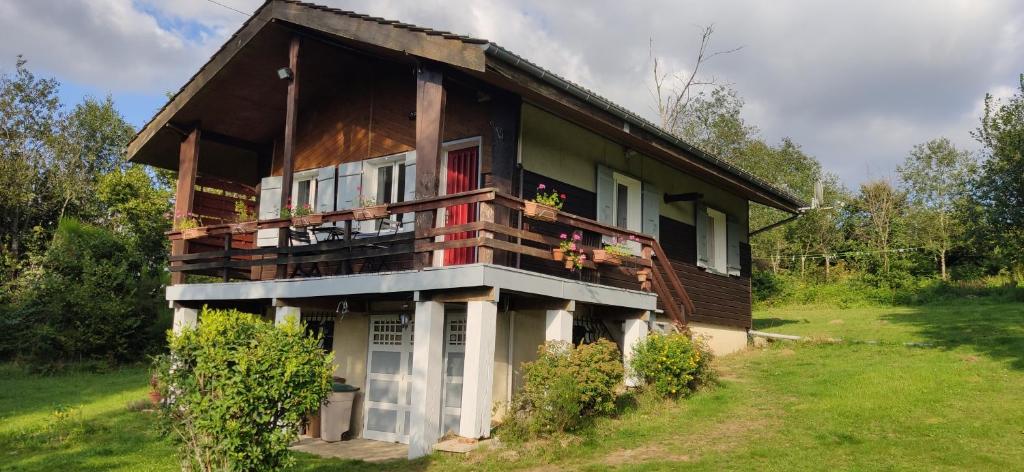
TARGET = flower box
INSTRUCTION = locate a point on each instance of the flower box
(557, 254)
(602, 256)
(243, 227)
(374, 212)
(643, 275)
(307, 220)
(569, 264)
(539, 212)
(193, 233)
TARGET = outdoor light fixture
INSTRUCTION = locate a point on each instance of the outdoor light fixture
(404, 320)
(284, 73)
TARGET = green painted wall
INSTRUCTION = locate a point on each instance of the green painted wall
(556, 148)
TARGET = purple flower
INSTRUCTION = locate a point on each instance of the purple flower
(577, 236)
(541, 187)
(563, 236)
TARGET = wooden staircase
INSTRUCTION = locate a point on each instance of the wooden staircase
(675, 300)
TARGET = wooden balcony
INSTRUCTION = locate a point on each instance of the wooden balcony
(501, 235)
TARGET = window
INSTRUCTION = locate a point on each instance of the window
(321, 324)
(627, 202)
(304, 189)
(717, 241)
(384, 182)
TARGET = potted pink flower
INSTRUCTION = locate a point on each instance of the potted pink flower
(545, 204)
(302, 215)
(570, 251)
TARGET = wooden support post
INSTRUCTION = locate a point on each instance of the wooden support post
(484, 254)
(430, 98)
(227, 257)
(184, 196)
(287, 162)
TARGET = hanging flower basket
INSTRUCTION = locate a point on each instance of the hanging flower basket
(373, 212)
(243, 227)
(307, 220)
(558, 254)
(539, 212)
(193, 233)
(602, 256)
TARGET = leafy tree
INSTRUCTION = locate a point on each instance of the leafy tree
(136, 207)
(238, 388)
(937, 176)
(881, 209)
(29, 117)
(1000, 190)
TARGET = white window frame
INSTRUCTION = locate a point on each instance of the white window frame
(718, 243)
(370, 181)
(634, 206)
(302, 176)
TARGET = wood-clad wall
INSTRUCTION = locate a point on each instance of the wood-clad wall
(368, 112)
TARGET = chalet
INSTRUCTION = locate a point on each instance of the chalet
(375, 179)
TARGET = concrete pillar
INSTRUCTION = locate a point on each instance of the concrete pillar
(633, 331)
(184, 317)
(558, 325)
(427, 378)
(478, 369)
(282, 313)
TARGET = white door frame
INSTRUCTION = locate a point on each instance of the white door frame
(386, 342)
(442, 182)
(634, 206)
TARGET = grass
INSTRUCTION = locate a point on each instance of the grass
(932, 387)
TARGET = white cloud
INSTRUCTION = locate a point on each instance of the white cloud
(857, 83)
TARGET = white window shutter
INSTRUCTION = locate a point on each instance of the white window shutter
(732, 235)
(325, 199)
(350, 182)
(700, 220)
(651, 212)
(605, 195)
(270, 208)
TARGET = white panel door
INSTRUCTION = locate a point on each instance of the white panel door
(454, 359)
(388, 380)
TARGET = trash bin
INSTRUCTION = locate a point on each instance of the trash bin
(336, 414)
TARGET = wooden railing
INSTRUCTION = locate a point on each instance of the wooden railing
(362, 254)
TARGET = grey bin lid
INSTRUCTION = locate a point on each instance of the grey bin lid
(340, 387)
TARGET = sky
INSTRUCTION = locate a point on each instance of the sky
(856, 83)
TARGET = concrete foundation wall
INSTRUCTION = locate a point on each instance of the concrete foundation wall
(723, 340)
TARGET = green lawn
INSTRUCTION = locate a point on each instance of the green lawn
(920, 388)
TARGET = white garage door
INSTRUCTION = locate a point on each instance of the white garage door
(388, 380)
(389, 377)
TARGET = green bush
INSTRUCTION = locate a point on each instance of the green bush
(237, 388)
(671, 364)
(88, 297)
(565, 387)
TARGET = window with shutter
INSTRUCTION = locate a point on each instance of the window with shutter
(270, 208)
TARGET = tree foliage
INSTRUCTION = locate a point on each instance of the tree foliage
(237, 389)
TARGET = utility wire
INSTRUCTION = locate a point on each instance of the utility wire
(215, 2)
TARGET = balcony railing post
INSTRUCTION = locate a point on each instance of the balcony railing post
(227, 257)
(485, 254)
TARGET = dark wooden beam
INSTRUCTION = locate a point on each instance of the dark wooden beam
(430, 103)
(287, 156)
(184, 196)
(683, 197)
